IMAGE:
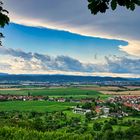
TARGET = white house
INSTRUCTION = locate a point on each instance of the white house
(81, 111)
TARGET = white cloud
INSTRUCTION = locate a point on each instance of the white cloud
(133, 48)
(18, 62)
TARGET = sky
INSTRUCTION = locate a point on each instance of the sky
(63, 37)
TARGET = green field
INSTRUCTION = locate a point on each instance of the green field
(38, 106)
(44, 106)
(56, 92)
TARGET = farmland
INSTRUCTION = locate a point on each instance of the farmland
(66, 92)
(135, 93)
(45, 106)
(115, 90)
(56, 92)
(38, 106)
(49, 111)
(77, 92)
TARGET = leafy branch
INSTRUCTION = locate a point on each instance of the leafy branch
(101, 6)
(4, 19)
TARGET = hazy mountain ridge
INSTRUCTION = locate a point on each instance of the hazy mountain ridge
(60, 78)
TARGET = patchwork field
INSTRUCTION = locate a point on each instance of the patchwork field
(103, 88)
(56, 92)
(114, 90)
(44, 106)
(75, 92)
(136, 93)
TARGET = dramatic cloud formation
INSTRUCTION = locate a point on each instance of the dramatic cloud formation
(123, 65)
(74, 16)
(18, 61)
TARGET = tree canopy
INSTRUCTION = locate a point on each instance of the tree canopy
(4, 19)
(101, 6)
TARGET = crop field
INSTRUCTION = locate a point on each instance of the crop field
(103, 88)
(136, 93)
(114, 90)
(44, 106)
(38, 106)
(56, 92)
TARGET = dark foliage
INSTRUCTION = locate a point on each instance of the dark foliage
(4, 19)
(97, 6)
(60, 126)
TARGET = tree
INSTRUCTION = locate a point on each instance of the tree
(136, 137)
(87, 106)
(113, 121)
(107, 126)
(108, 135)
(90, 115)
(4, 19)
(119, 134)
(97, 6)
(38, 124)
(97, 126)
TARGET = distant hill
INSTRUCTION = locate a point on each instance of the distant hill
(60, 79)
(57, 78)
(3, 74)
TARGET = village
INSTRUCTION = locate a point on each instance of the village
(115, 106)
(128, 101)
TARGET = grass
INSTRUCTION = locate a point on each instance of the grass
(70, 114)
(14, 92)
(44, 106)
(57, 92)
(118, 127)
(38, 106)
(131, 118)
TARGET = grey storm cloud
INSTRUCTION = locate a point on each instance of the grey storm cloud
(46, 62)
(68, 63)
(16, 53)
(31, 61)
(75, 14)
(123, 65)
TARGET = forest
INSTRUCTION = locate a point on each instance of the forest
(17, 125)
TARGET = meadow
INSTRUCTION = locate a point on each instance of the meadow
(38, 106)
(45, 106)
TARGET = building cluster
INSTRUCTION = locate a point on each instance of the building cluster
(128, 101)
(69, 99)
(104, 110)
(79, 110)
(101, 107)
(20, 98)
(43, 98)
